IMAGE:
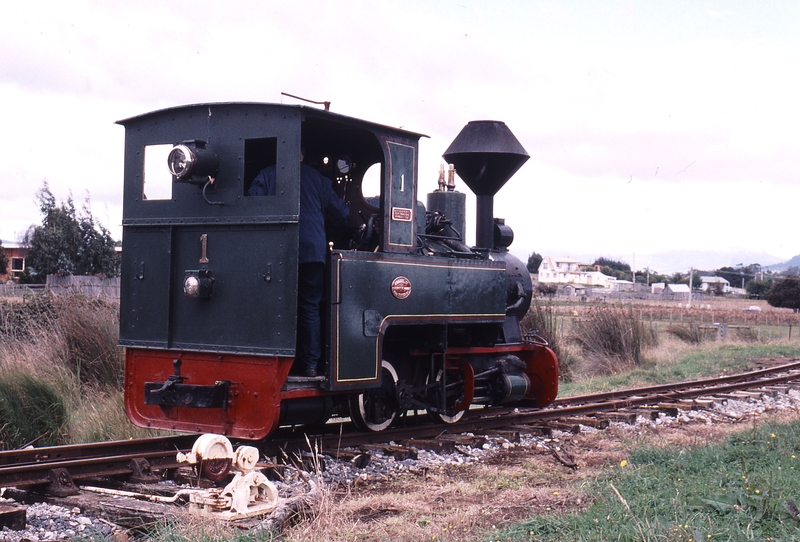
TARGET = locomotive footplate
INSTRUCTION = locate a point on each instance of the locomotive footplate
(171, 393)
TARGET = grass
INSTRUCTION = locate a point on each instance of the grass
(747, 488)
(195, 529)
(61, 372)
(30, 409)
(674, 361)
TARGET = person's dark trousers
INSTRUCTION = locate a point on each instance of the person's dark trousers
(310, 285)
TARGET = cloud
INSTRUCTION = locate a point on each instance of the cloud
(620, 105)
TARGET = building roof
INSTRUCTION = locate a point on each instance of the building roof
(678, 288)
(562, 259)
(714, 280)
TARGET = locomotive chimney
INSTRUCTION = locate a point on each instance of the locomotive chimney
(485, 154)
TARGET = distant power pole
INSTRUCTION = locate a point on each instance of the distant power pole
(691, 272)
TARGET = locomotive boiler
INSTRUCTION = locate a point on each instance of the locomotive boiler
(413, 318)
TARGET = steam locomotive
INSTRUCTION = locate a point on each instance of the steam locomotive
(413, 318)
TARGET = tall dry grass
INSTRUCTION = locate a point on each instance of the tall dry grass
(612, 339)
(89, 328)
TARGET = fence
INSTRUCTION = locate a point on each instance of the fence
(11, 289)
(89, 286)
(712, 320)
(96, 287)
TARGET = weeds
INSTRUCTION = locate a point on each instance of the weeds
(612, 339)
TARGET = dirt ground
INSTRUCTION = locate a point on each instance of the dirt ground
(466, 502)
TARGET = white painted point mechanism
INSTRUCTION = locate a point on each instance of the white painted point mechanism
(248, 494)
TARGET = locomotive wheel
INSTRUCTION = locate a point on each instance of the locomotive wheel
(444, 418)
(376, 408)
(438, 417)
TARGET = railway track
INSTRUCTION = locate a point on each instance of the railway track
(57, 470)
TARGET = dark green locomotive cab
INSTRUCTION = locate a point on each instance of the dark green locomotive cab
(207, 267)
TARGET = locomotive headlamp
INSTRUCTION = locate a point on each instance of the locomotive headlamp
(191, 285)
(192, 162)
(198, 283)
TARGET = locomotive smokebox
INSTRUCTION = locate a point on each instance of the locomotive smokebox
(485, 154)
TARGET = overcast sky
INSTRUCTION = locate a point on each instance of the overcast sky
(651, 126)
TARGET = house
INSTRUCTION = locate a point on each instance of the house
(559, 270)
(677, 292)
(596, 278)
(15, 253)
(715, 285)
(569, 271)
(657, 288)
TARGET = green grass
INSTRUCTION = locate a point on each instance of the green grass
(747, 488)
(199, 530)
(30, 409)
(698, 362)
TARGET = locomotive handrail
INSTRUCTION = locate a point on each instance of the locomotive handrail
(534, 338)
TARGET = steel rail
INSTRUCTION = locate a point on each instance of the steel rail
(668, 387)
(55, 454)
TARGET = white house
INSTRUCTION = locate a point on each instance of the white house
(714, 284)
(560, 270)
(567, 270)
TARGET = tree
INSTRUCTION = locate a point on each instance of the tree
(613, 264)
(758, 288)
(655, 276)
(738, 276)
(785, 293)
(3, 259)
(613, 268)
(68, 244)
(534, 261)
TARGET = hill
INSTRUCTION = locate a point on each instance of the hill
(794, 262)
